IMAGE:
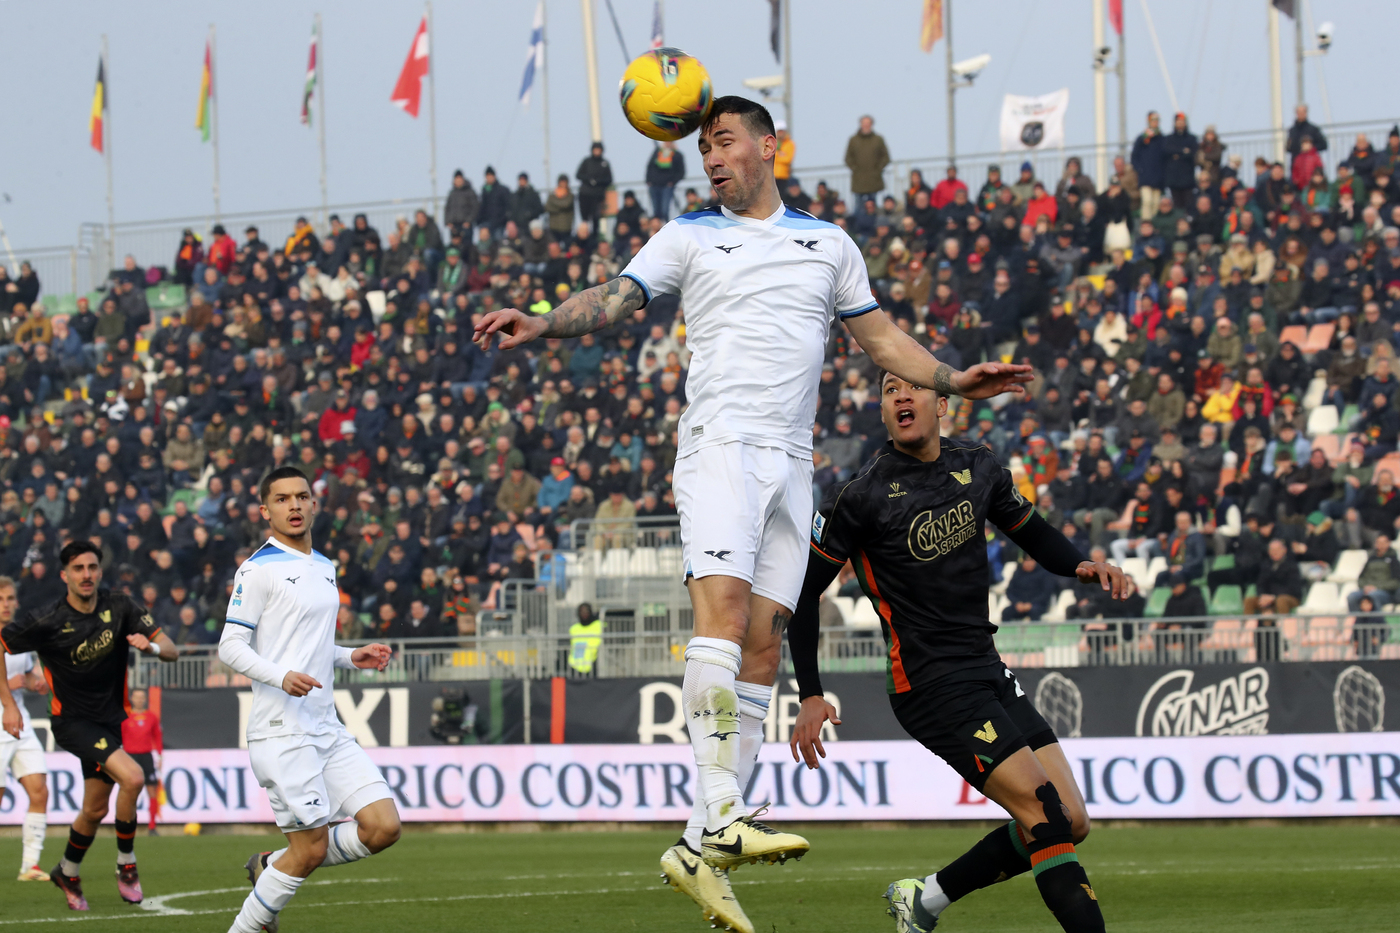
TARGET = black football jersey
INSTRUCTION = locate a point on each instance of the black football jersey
(915, 533)
(84, 653)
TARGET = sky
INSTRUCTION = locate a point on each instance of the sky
(848, 59)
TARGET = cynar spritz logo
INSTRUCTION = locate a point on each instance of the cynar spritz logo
(931, 538)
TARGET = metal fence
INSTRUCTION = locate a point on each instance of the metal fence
(82, 267)
(630, 652)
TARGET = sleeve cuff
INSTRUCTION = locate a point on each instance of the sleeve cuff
(857, 312)
(247, 625)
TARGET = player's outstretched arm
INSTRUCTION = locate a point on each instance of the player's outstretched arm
(803, 633)
(1053, 551)
(10, 720)
(158, 647)
(590, 310)
(366, 657)
(894, 350)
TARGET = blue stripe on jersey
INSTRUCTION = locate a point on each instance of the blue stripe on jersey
(271, 556)
(709, 217)
(242, 623)
(799, 220)
(859, 311)
(646, 289)
(320, 558)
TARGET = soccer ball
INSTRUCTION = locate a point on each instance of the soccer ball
(666, 94)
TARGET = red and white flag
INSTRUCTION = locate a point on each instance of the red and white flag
(409, 89)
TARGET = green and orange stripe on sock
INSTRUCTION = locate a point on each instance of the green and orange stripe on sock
(1051, 856)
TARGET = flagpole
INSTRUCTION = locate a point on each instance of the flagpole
(1100, 98)
(544, 87)
(321, 114)
(787, 64)
(590, 58)
(432, 108)
(952, 82)
(107, 155)
(214, 113)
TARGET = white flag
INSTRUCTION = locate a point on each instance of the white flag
(1034, 122)
(534, 55)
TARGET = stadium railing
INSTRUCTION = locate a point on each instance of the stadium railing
(1194, 641)
(154, 242)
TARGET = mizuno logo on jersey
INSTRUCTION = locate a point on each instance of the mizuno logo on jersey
(896, 492)
(808, 245)
(720, 555)
(720, 735)
(963, 476)
(987, 733)
(728, 249)
(292, 580)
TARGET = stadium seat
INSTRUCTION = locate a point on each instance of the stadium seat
(1227, 600)
(846, 606)
(1329, 444)
(644, 563)
(1155, 566)
(1313, 397)
(1295, 334)
(1319, 338)
(1349, 566)
(1350, 414)
(1156, 602)
(1056, 612)
(863, 614)
(1223, 562)
(1136, 568)
(1323, 596)
(60, 305)
(1323, 420)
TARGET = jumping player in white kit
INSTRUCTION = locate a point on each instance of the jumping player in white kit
(23, 755)
(761, 285)
(280, 632)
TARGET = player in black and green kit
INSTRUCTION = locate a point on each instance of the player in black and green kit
(912, 524)
(84, 640)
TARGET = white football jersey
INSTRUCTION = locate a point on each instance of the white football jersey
(16, 664)
(759, 299)
(290, 601)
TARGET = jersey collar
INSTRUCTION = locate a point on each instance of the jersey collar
(271, 540)
(755, 221)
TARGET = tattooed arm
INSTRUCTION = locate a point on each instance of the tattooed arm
(894, 350)
(584, 313)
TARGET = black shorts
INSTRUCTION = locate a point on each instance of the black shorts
(973, 719)
(92, 742)
(147, 762)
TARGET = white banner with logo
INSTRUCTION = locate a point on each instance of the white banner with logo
(1033, 122)
(1353, 774)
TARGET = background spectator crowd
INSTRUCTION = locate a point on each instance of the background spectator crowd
(1185, 316)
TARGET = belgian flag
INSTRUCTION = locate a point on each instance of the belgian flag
(99, 108)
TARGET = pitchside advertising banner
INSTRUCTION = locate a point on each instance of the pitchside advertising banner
(1355, 774)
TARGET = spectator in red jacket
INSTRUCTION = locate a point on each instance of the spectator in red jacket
(943, 191)
(222, 251)
(340, 412)
(1039, 205)
(1305, 163)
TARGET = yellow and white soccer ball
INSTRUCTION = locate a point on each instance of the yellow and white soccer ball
(666, 94)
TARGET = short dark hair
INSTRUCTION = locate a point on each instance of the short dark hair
(285, 472)
(880, 381)
(754, 115)
(75, 549)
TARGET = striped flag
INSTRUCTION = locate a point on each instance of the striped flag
(932, 29)
(203, 120)
(1115, 15)
(408, 90)
(99, 108)
(534, 55)
(310, 88)
(658, 31)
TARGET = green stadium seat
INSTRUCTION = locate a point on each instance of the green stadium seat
(189, 496)
(1227, 600)
(59, 304)
(1157, 602)
(1351, 414)
(165, 297)
(95, 301)
(1251, 590)
(1223, 562)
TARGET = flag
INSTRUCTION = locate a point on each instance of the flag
(409, 89)
(774, 31)
(99, 107)
(310, 88)
(658, 37)
(932, 29)
(204, 119)
(1115, 15)
(1034, 122)
(1286, 7)
(534, 55)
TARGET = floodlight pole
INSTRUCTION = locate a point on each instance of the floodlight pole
(787, 64)
(952, 83)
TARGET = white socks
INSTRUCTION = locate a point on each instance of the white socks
(272, 892)
(753, 710)
(712, 715)
(933, 898)
(35, 824)
(342, 846)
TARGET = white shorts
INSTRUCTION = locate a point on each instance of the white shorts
(22, 756)
(312, 780)
(746, 512)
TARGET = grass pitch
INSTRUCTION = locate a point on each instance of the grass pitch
(1299, 877)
